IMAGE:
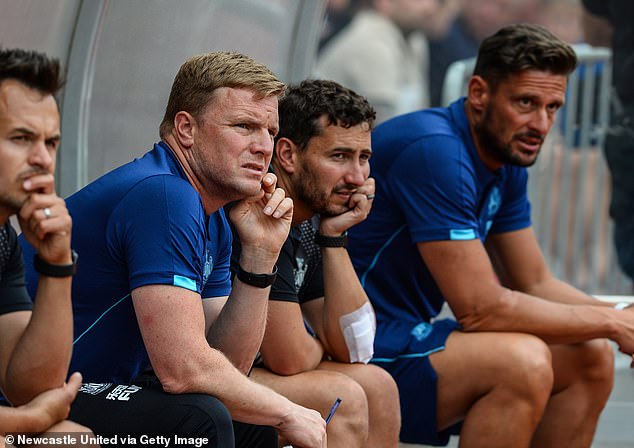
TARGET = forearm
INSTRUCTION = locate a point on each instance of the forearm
(211, 373)
(243, 318)
(41, 358)
(343, 294)
(555, 290)
(289, 349)
(555, 323)
(20, 419)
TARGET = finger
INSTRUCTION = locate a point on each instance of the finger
(57, 225)
(38, 201)
(41, 183)
(283, 208)
(268, 183)
(273, 200)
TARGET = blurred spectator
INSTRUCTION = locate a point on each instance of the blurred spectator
(611, 23)
(562, 18)
(476, 21)
(382, 54)
(337, 15)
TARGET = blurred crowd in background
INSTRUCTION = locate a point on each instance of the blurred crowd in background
(449, 30)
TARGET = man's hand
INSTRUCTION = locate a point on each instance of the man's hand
(263, 222)
(304, 427)
(360, 205)
(45, 221)
(52, 406)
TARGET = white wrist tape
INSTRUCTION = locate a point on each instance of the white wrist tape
(621, 305)
(359, 328)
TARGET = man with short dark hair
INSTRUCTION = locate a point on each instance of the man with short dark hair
(525, 364)
(35, 341)
(322, 160)
(154, 306)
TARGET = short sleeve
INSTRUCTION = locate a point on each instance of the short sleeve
(433, 184)
(13, 292)
(159, 228)
(284, 288)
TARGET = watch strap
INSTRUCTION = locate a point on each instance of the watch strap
(257, 280)
(331, 241)
(56, 270)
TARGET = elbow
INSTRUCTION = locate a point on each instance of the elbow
(178, 380)
(485, 315)
(20, 388)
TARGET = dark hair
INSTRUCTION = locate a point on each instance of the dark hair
(199, 77)
(520, 47)
(305, 103)
(35, 70)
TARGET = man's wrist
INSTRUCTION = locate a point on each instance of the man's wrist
(331, 241)
(256, 280)
(55, 270)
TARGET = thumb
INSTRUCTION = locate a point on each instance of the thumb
(74, 383)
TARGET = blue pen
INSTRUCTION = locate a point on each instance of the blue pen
(333, 409)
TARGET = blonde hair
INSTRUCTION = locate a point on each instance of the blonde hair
(199, 77)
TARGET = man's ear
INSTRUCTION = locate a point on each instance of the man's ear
(478, 93)
(184, 128)
(286, 155)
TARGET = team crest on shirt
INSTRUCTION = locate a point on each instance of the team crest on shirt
(300, 272)
(209, 266)
(495, 200)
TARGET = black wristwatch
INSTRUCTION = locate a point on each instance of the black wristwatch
(331, 241)
(56, 270)
(257, 280)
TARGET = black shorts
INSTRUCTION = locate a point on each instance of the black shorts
(136, 412)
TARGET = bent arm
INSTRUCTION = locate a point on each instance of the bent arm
(172, 325)
(343, 295)
(465, 276)
(242, 317)
(287, 348)
(42, 341)
(45, 410)
(520, 265)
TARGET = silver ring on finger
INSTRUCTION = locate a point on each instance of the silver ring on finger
(47, 212)
(370, 196)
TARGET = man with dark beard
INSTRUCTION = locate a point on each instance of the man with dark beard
(321, 160)
(524, 363)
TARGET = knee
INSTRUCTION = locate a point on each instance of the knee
(380, 388)
(352, 417)
(597, 362)
(531, 368)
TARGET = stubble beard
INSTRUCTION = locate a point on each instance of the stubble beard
(308, 192)
(501, 151)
